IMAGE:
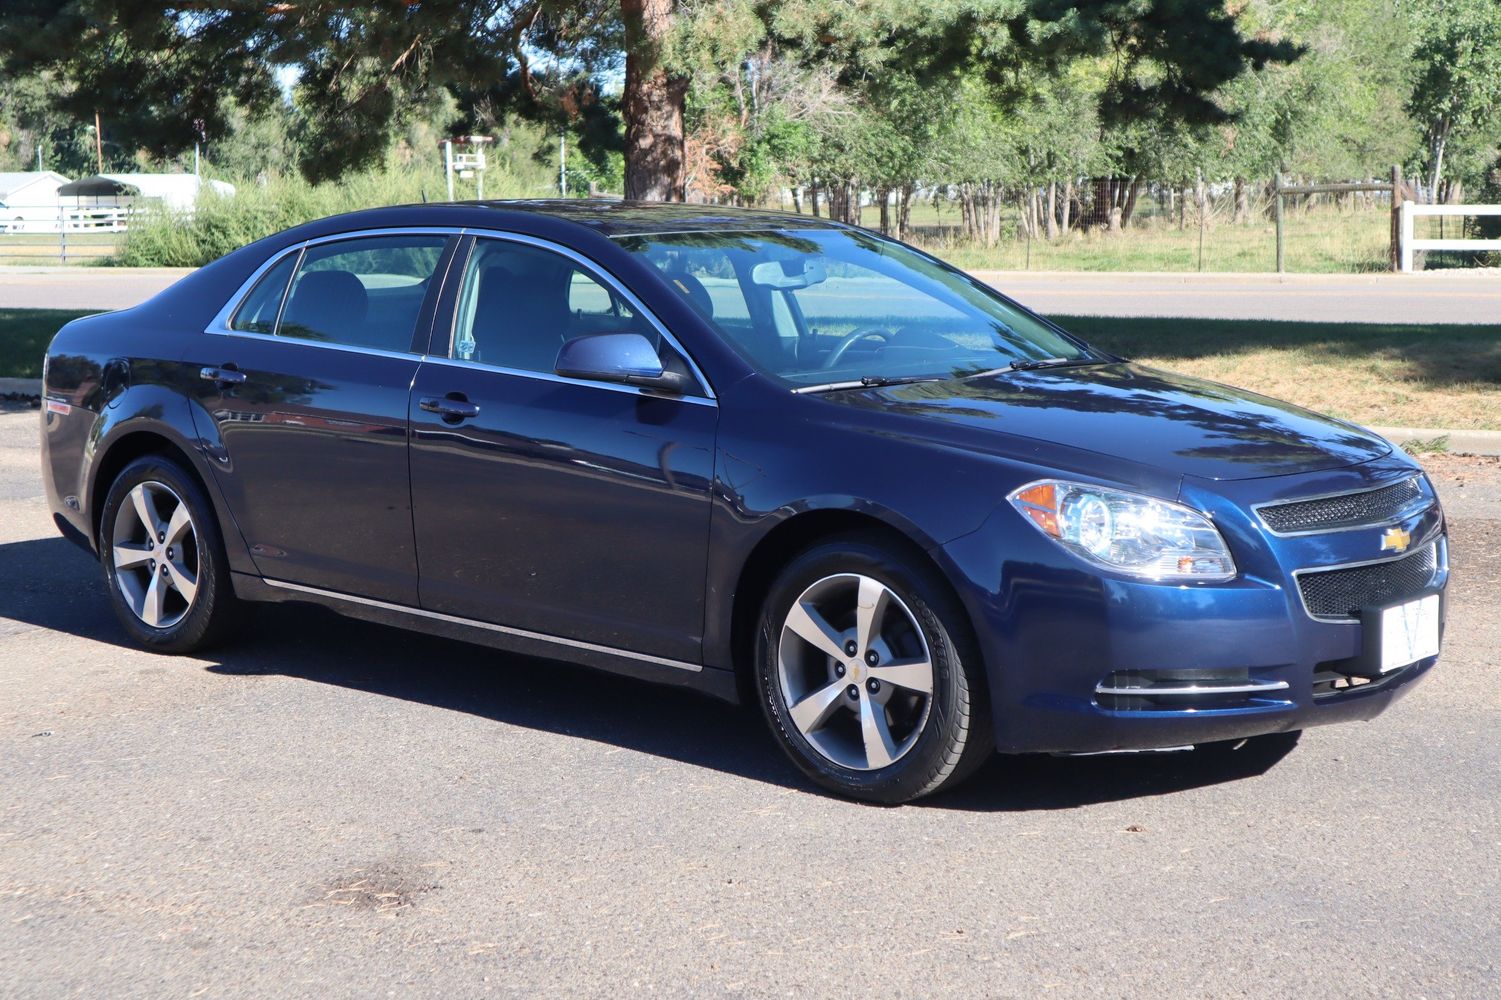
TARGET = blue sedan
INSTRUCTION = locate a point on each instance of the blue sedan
(764, 456)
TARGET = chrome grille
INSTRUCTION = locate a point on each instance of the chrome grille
(1340, 594)
(1344, 511)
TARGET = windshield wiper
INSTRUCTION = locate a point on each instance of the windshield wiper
(1033, 364)
(871, 382)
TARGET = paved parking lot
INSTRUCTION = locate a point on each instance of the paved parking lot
(337, 809)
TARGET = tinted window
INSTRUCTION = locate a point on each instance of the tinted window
(257, 314)
(363, 292)
(815, 307)
(519, 304)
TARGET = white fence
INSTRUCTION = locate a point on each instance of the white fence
(1410, 211)
(105, 219)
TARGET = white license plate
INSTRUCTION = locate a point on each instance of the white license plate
(1409, 633)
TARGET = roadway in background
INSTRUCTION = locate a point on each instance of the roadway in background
(1433, 297)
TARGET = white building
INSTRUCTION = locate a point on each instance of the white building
(105, 201)
(29, 200)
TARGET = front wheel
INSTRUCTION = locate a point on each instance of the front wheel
(865, 674)
(164, 558)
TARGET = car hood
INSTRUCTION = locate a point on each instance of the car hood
(1169, 422)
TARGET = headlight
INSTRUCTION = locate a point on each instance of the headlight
(1152, 539)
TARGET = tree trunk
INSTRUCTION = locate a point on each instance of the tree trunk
(1100, 213)
(797, 199)
(904, 211)
(1133, 189)
(813, 196)
(652, 104)
(885, 195)
(1242, 203)
(1068, 207)
(1052, 214)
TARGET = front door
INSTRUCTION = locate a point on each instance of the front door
(308, 390)
(568, 508)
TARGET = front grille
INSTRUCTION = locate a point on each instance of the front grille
(1347, 510)
(1340, 594)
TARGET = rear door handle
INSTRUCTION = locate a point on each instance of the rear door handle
(222, 376)
(452, 407)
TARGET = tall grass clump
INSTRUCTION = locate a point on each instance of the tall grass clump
(163, 238)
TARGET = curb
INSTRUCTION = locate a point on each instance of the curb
(1455, 442)
(20, 388)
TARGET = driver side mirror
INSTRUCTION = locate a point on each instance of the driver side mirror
(624, 358)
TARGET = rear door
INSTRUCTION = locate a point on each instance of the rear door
(568, 508)
(307, 384)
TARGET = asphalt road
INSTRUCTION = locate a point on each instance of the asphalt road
(1436, 297)
(341, 810)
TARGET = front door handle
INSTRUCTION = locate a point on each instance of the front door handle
(226, 375)
(452, 407)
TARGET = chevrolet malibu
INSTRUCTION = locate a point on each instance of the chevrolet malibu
(763, 456)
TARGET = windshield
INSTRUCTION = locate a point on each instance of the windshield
(831, 307)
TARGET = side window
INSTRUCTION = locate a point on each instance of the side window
(257, 313)
(518, 304)
(364, 292)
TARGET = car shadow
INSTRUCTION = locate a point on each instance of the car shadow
(51, 584)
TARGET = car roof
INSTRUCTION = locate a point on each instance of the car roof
(608, 217)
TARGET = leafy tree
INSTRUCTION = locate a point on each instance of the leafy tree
(1456, 95)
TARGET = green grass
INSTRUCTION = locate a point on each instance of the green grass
(1382, 374)
(46, 248)
(24, 335)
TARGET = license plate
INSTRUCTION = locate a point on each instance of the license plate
(1409, 633)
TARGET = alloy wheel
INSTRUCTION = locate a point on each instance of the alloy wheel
(855, 671)
(155, 553)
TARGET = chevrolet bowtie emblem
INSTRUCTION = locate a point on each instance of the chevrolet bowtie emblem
(1395, 540)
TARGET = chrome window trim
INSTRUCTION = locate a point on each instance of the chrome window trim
(1421, 504)
(488, 626)
(1440, 570)
(607, 279)
(219, 325)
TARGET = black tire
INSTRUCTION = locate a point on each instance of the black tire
(214, 612)
(955, 736)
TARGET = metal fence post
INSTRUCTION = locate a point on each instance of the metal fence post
(1396, 237)
(1281, 239)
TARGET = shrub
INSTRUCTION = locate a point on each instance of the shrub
(163, 238)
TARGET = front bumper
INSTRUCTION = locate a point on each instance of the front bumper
(1059, 638)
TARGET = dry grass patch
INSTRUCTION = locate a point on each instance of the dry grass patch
(1391, 375)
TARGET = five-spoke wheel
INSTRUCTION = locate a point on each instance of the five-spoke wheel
(156, 554)
(864, 668)
(855, 671)
(164, 558)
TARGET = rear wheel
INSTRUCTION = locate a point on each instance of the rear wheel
(164, 558)
(865, 675)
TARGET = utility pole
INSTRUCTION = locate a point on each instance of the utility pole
(98, 144)
(562, 164)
